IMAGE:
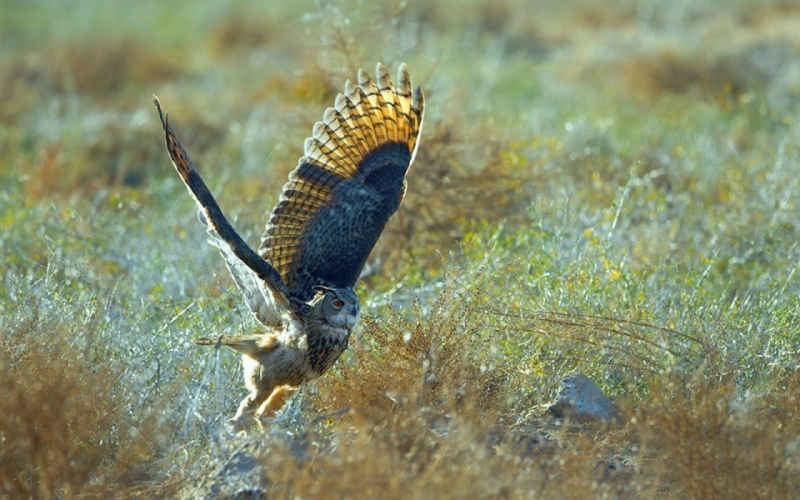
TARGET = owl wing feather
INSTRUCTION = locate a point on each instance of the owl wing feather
(347, 186)
(255, 294)
(253, 275)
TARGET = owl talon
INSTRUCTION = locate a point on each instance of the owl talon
(259, 423)
(239, 425)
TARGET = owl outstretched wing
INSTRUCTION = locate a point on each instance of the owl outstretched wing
(253, 275)
(347, 186)
(254, 291)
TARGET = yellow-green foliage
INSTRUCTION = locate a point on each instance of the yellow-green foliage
(609, 187)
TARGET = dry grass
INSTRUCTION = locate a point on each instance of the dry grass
(101, 69)
(648, 76)
(64, 432)
(422, 409)
(414, 418)
(119, 156)
(421, 362)
(702, 444)
(82, 67)
(455, 179)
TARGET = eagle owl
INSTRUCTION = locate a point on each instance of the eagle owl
(332, 210)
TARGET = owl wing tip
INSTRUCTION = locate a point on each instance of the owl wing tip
(364, 118)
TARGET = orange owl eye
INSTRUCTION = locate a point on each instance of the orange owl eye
(338, 303)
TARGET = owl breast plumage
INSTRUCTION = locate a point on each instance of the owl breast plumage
(330, 214)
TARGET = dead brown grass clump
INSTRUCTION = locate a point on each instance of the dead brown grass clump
(647, 77)
(765, 12)
(99, 68)
(459, 176)
(63, 431)
(702, 443)
(423, 421)
(24, 80)
(606, 15)
(241, 30)
(314, 86)
(425, 399)
(494, 17)
(744, 69)
(405, 457)
(438, 362)
(116, 155)
(121, 158)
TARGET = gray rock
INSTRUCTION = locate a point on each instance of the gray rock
(580, 399)
(239, 477)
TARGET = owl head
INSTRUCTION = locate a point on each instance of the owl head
(337, 306)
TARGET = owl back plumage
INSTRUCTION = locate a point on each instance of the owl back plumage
(347, 186)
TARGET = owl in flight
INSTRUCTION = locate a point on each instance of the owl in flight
(340, 196)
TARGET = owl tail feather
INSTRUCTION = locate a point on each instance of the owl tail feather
(252, 345)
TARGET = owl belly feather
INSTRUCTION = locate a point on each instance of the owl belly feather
(284, 366)
(291, 366)
(325, 348)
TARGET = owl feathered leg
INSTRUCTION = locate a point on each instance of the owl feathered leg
(260, 404)
(275, 401)
(256, 350)
(268, 370)
(248, 410)
(252, 345)
(213, 213)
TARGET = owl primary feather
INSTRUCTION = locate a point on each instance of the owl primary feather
(299, 284)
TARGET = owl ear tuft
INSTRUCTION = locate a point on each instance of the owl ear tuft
(321, 291)
(298, 307)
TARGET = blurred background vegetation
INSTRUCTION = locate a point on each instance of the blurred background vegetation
(604, 186)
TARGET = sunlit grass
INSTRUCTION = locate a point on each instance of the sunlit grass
(593, 192)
